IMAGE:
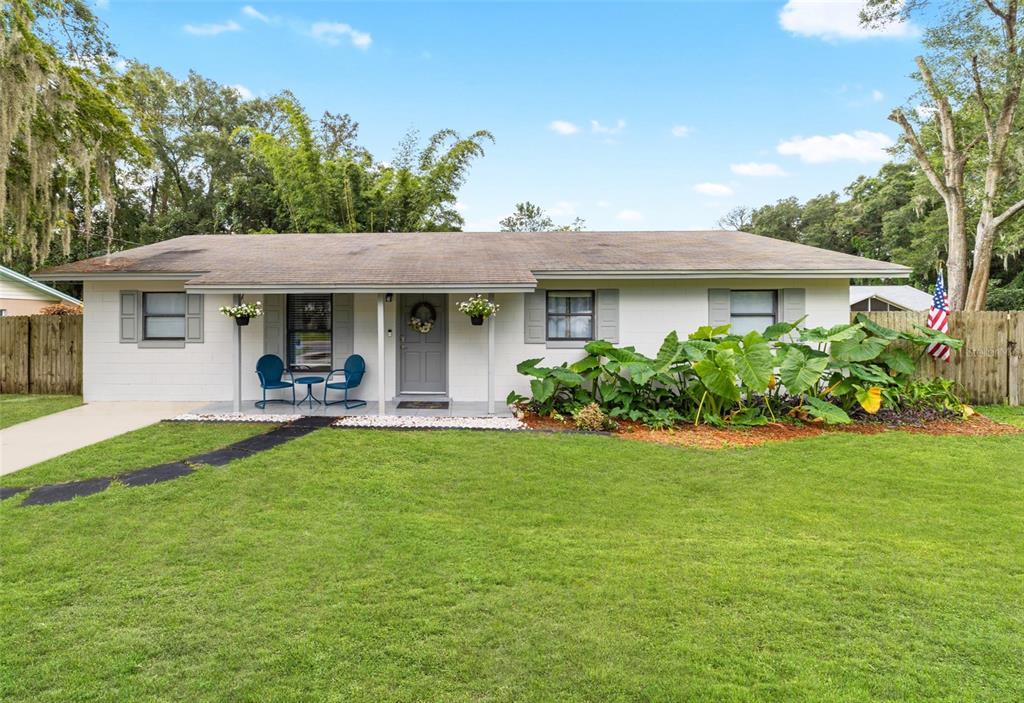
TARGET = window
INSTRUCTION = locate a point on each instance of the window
(163, 316)
(570, 315)
(752, 310)
(309, 332)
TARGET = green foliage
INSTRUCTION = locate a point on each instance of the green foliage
(719, 378)
(532, 218)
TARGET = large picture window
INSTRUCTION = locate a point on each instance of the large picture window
(753, 310)
(163, 316)
(570, 315)
(309, 332)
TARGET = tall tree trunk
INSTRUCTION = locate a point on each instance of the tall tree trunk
(956, 250)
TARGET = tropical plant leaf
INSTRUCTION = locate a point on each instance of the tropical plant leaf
(872, 374)
(827, 412)
(542, 389)
(923, 336)
(801, 369)
(708, 332)
(869, 398)
(748, 417)
(718, 374)
(821, 335)
(529, 368)
(898, 360)
(566, 377)
(755, 362)
(780, 329)
(858, 347)
(875, 328)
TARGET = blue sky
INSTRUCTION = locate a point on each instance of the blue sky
(630, 115)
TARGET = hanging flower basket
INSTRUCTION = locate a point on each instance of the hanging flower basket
(242, 312)
(478, 308)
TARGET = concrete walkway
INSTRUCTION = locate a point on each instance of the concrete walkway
(28, 443)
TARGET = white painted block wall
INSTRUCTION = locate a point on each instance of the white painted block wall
(204, 372)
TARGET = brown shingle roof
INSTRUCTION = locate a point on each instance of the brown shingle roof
(465, 258)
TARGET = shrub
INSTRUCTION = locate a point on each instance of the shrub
(592, 419)
(61, 309)
(718, 378)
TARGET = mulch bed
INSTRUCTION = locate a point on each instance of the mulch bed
(706, 437)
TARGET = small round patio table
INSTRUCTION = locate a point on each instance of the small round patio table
(309, 382)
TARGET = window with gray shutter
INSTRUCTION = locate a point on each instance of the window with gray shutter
(718, 306)
(534, 317)
(273, 325)
(794, 304)
(194, 318)
(129, 317)
(608, 314)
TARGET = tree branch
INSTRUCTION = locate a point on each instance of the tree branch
(1008, 213)
(995, 10)
(920, 154)
(982, 103)
(944, 112)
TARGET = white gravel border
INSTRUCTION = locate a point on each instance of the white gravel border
(415, 422)
(233, 417)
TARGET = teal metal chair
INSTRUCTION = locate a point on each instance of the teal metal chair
(271, 371)
(355, 368)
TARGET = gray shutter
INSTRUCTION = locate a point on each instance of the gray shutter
(719, 306)
(273, 325)
(193, 318)
(535, 316)
(608, 314)
(342, 327)
(793, 305)
(130, 302)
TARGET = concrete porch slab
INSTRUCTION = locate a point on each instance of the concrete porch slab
(455, 408)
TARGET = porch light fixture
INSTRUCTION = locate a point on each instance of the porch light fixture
(388, 297)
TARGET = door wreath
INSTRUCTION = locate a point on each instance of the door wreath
(423, 317)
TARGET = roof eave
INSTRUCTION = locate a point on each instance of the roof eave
(895, 272)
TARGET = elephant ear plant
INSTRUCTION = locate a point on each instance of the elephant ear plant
(816, 374)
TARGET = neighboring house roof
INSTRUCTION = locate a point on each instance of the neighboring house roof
(39, 290)
(495, 260)
(906, 297)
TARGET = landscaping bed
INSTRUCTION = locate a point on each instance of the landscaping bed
(708, 437)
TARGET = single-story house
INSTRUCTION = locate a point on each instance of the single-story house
(153, 331)
(888, 299)
(21, 295)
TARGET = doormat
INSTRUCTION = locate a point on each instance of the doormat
(423, 405)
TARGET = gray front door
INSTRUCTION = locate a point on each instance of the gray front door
(422, 357)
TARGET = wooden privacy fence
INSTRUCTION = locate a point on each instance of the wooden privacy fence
(41, 354)
(989, 367)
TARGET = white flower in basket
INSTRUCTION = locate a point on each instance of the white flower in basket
(242, 310)
(478, 308)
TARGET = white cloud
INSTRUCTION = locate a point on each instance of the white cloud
(250, 11)
(835, 19)
(598, 128)
(562, 127)
(212, 30)
(681, 130)
(753, 168)
(242, 91)
(333, 32)
(862, 145)
(716, 190)
(877, 95)
(629, 215)
(563, 208)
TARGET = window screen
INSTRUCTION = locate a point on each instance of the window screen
(570, 315)
(752, 310)
(163, 315)
(309, 332)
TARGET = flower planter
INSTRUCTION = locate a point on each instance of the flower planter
(242, 321)
(477, 320)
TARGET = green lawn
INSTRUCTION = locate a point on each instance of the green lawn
(15, 407)
(1011, 415)
(473, 566)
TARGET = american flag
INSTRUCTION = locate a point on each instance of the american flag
(938, 319)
